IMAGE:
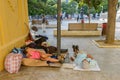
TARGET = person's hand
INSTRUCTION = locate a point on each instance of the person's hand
(28, 55)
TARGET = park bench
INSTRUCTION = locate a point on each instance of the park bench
(35, 21)
(82, 26)
(79, 29)
(38, 23)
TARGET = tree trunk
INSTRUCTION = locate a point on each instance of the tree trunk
(58, 26)
(111, 21)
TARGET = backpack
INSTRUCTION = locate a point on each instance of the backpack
(18, 51)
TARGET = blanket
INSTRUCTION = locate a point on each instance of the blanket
(74, 67)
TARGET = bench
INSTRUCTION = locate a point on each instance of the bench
(82, 26)
(35, 21)
(79, 29)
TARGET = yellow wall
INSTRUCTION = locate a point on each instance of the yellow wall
(13, 26)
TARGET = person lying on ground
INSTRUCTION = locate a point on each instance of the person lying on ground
(39, 55)
(82, 59)
(76, 51)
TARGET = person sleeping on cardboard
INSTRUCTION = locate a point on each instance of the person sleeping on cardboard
(39, 55)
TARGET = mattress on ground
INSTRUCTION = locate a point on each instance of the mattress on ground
(33, 62)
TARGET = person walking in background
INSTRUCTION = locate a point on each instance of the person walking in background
(77, 18)
(44, 22)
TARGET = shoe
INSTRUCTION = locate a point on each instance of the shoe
(41, 36)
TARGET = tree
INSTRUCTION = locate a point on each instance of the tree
(90, 3)
(38, 7)
(58, 26)
(69, 8)
(111, 21)
(104, 6)
(31, 7)
(52, 7)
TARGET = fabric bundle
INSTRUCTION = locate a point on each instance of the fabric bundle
(13, 62)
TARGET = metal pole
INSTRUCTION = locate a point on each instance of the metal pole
(58, 26)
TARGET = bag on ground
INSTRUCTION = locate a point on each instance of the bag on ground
(13, 62)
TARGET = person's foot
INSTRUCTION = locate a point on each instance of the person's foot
(61, 59)
(71, 58)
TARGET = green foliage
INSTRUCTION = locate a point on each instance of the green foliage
(88, 2)
(77, 1)
(96, 4)
(45, 1)
(105, 5)
(52, 2)
(38, 7)
(69, 8)
(93, 5)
